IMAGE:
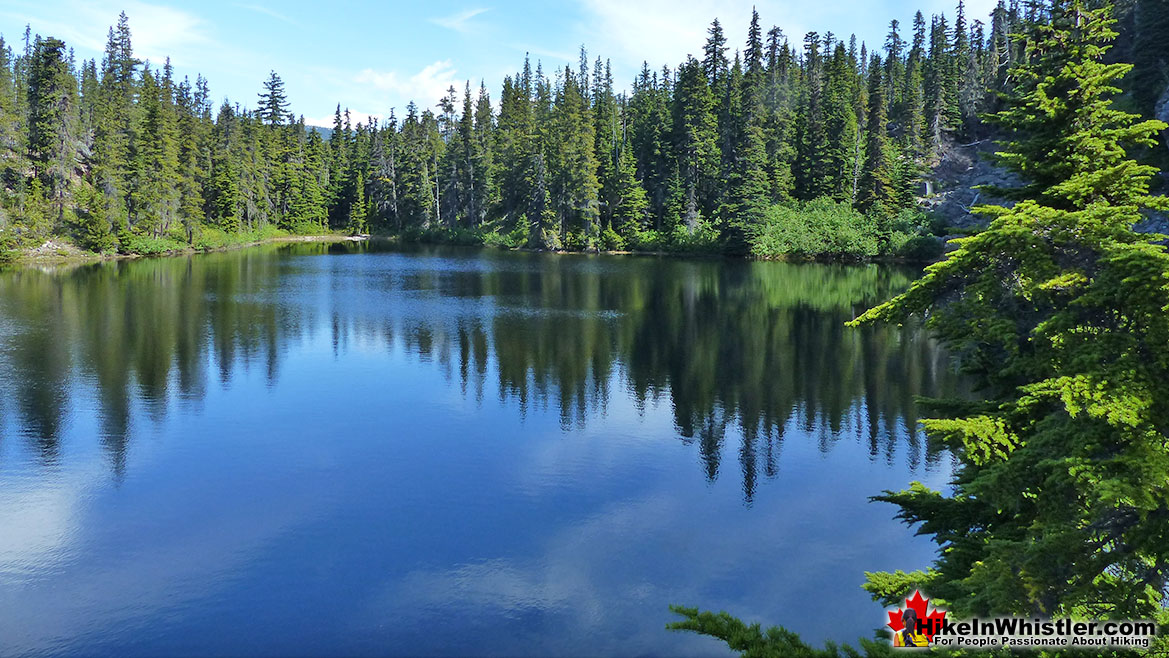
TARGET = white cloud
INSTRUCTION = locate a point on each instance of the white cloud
(425, 87)
(375, 91)
(459, 22)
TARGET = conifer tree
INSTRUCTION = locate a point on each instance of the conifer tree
(52, 102)
(840, 124)
(714, 59)
(357, 222)
(876, 186)
(1058, 311)
(695, 135)
(811, 131)
(627, 198)
(743, 205)
(154, 195)
(273, 101)
(574, 189)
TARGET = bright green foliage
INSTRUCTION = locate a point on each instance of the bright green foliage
(751, 641)
(1061, 314)
(823, 227)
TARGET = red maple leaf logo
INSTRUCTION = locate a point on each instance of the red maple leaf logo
(921, 606)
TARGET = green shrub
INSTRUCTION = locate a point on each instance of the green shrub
(648, 240)
(611, 241)
(515, 239)
(148, 245)
(921, 248)
(820, 228)
(703, 239)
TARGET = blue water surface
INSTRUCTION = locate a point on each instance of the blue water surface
(368, 449)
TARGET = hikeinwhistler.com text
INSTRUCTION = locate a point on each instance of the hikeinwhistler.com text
(1040, 633)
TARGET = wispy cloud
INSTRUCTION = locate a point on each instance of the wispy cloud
(425, 87)
(459, 22)
(537, 52)
(373, 92)
(260, 9)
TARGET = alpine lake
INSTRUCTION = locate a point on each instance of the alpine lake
(372, 449)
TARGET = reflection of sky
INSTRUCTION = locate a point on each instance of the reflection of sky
(365, 505)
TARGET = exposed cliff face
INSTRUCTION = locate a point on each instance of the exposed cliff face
(961, 169)
(952, 189)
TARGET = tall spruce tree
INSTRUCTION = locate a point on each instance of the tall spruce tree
(52, 123)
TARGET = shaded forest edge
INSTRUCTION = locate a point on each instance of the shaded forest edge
(819, 148)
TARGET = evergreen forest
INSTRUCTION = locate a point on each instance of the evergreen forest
(809, 146)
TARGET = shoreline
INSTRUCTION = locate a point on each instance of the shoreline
(59, 254)
(56, 254)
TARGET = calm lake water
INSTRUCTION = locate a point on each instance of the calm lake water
(362, 449)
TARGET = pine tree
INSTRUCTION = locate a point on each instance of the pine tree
(1058, 312)
(273, 102)
(714, 60)
(840, 122)
(877, 194)
(695, 141)
(627, 198)
(811, 131)
(744, 204)
(357, 222)
(574, 189)
(52, 123)
(154, 194)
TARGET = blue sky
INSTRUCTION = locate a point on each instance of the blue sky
(374, 56)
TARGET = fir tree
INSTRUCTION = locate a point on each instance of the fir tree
(273, 102)
(52, 101)
(695, 135)
(876, 186)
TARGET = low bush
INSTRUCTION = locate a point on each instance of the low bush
(820, 228)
